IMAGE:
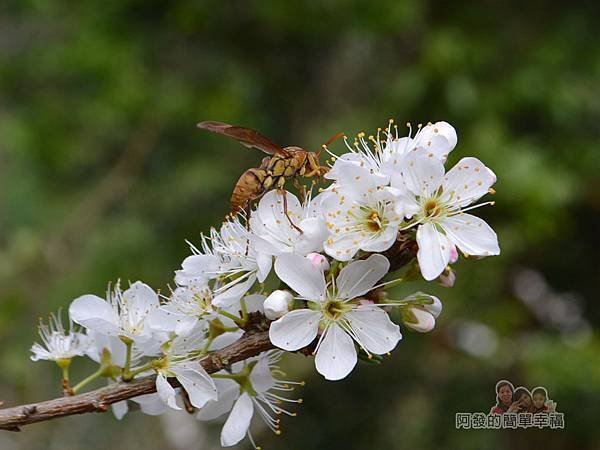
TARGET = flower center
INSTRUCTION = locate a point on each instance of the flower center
(432, 208)
(374, 222)
(333, 309)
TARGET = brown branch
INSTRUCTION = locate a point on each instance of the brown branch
(11, 419)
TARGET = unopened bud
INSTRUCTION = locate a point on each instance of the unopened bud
(447, 278)
(277, 304)
(421, 312)
(453, 254)
(418, 319)
(318, 260)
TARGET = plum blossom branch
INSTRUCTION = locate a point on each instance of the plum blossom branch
(99, 400)
(317, 267)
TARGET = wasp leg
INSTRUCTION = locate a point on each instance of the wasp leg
(300, 187)
(286, 212)
(248, 211)
(315, 169)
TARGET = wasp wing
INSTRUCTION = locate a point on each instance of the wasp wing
(246, 136)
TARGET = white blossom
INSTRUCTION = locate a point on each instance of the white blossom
(335, 313)
(251, 387)
(124, 313)
(273, 232)
(360, 216)
(437, 203)
(383, 157)
(178, 361)
(59, 343)
(230, 259)
(184, 309)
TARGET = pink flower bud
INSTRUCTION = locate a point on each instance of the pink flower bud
(447, 278)
(453, 254)
(422, 320)
(318, 260)
(421, 315)
(277, 304)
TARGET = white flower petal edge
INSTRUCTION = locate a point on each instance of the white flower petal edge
(471, 234)
(165, 391)
(198, 384)
(298, 273)
(151, 404)
(228, 392)
(141, 299)
(434, 251)
(435, 202)
(95, 314)
(238, 422)
(374, 329)
(359, 277)
(119, 409)
(467, 181)
(295, 330)
(336, 355)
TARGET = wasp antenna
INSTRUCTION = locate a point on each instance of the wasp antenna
(331, 140)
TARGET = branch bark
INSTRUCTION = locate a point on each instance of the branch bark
(99, 400)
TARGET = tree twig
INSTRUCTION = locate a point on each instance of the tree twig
(99, 400)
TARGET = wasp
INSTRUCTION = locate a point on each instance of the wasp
(282, 164)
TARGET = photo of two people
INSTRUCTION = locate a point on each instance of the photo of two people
(521, 400)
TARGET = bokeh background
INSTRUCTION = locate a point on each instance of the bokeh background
(103, 176)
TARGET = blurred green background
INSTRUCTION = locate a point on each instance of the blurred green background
(103, 176)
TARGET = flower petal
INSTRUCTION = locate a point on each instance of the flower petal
(237, 423)
(141, 299)
(113, 344)
(359, 181)
(343, 246)
(271, 211)
(423, 173)
(119, 409)
(298, 273)
(198, 384)
(151, 404)
(93, 313)
(295, 330)
(228, 392)
(382, 240)
(338, 168)
(169, 320)
(311, 240)
(336, 356)
(467, 181)
(165, 391)
(434, 251)
(232, 295)
(359, 277)
(373, 327)
(264, 263)
(438, 138)
(261, 377)
(471, 234)
(196, 269)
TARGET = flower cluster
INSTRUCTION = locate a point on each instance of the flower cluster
(315, 272)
